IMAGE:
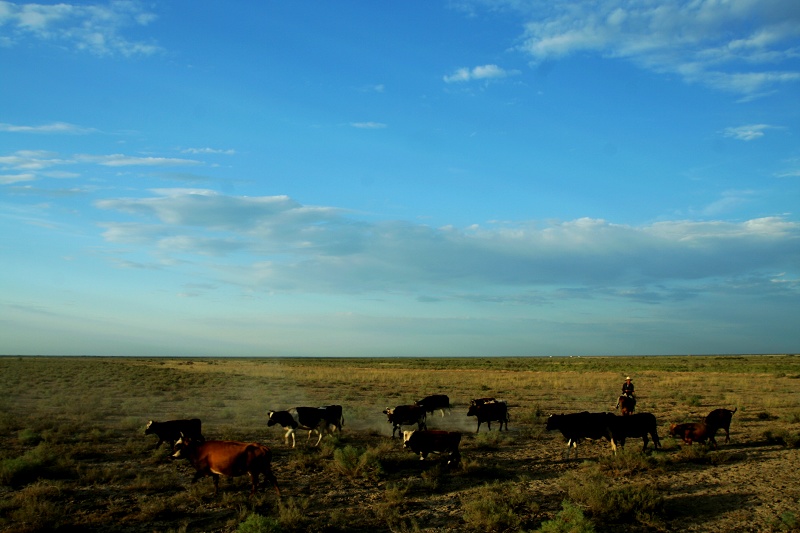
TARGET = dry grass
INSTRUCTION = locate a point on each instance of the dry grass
(73, 454)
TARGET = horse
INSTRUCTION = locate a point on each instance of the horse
(626, 404)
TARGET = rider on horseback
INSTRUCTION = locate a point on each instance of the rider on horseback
(627, 387)
(627, 399)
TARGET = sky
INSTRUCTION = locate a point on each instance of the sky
(451, 178)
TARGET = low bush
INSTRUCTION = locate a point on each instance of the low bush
(357, 463)
(569, 520)
(612, 500)
(256, 523)
(497, 507)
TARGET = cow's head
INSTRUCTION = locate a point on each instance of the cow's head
(552, 422)
(181, 447)
(407, 436)
(389, 412)
(271, 422)
(473, 410)
(148, 428)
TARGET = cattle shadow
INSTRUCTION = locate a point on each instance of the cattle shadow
(698, 506)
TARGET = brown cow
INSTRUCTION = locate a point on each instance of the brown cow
(227, 458)
(720, 419)
(693, 432)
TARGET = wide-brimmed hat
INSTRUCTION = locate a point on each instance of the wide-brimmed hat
(627, 378)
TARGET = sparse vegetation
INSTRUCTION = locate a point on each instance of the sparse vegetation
(73, 454)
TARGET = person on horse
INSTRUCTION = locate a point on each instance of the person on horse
(627, 399)
(627, 387)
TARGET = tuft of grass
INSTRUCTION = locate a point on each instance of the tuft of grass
(627, 462)
(569, 520)
(356, 462)
(293, 513)
(256, 523)
(613, 500)
(497, 507)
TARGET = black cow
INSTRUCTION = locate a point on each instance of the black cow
(171, 430)
(406, 415)
(435, 402)
(720, 419)
(635, 425)
(489, 412)
(313, 419)
(426, 442)
(576, 427)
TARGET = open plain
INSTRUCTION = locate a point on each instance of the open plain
(73, 453)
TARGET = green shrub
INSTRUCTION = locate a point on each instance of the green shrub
(626, 462)
(694, 400)
(256, 523)
(42, 462)
(28, 437)
(612, 500)
(497, 507)
(293, 512)
(356, 462)
(569, 520)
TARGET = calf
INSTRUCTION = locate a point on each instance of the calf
(693, 432)
(720, 419)
(435, 402)
(634, 425)
(426, 442)
(227, 458)
(406, 415)
(171, 430)
(576, 427)
(313, 419)
(489, 412)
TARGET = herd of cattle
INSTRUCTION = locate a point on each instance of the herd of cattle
(233, 458)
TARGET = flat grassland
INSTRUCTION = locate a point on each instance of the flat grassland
(73, 454)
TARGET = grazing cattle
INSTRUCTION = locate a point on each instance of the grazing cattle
(406, 415)
(635, 425)
(720, 419)
(576, 427)
(626, 404)
(693, 432)
(426, 442)
(435, 402)
(171, 430)
(227, 458)
(490, 412)
(313, 419)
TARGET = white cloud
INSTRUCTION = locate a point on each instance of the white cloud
(207, 151)
(98, 29)
(368, 125)
(121, 160)
(737, 46)
(484, 72)
(322, 249)
(16, 178)
(746, 133)
(55, 127)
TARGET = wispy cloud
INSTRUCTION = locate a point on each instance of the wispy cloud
(98, 29)
(295, 247)
(483, 72)
(368, 125)
(121, 160)
(745, 47)
(207, 151)
(54, 127)
(746, 133)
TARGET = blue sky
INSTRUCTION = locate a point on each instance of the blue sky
(469, 178)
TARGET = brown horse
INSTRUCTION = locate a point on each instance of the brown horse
(626, 404)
